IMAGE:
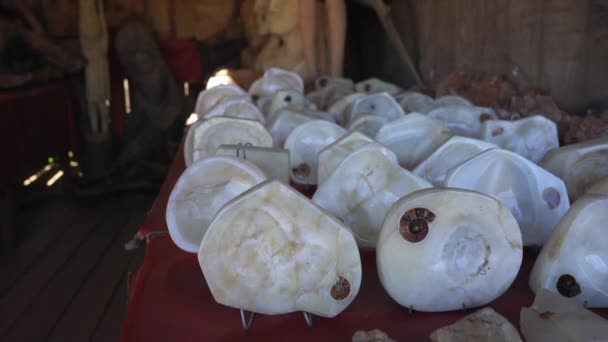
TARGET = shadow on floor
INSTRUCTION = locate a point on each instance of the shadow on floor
(66, 277)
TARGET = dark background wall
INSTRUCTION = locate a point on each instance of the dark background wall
(559, 46)
(556, 45)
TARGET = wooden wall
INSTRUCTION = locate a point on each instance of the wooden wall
(560, 46)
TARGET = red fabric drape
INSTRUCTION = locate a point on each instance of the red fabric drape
(36, 123)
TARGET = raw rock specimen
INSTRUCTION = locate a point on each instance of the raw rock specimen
(484, 325)
(558, 319)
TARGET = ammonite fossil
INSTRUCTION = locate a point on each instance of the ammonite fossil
(302, 169)
(567, 286)
(341, 289)
(551, 197)
(414, 224)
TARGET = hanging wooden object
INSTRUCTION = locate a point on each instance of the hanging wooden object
(283, 49)
(94, 42)
(300, 36)
(323, 32)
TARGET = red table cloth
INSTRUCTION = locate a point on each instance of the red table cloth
(170, 300)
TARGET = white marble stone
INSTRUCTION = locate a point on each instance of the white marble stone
(201, 190)
(332, 155)
(413, 138)
(536, 198)
(274, 162)
(363, 188)
(288, 98)
(283, 123)
(463, 120)
(452, 100)
(413, 102)
(273, 251)
(263, 103)
(323, 98)
(579, 165)
(531, 137)
(368, 124)
(380, 104)
(210, 97)
(599, 188)
(482, 325)
(324, 82)
(374, 86)
(454, 151)
(304, 144)
(338, 109)
(442, 249)
(287, 77)
(286, 120)
(220, 107)
(574, 261)
(205, 136)
(244, 110)
(558, 319)
(274, 80)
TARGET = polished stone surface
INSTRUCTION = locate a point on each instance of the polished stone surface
(332, 155)
(304, 144)
(463, 120)
(451, 153)
(537, 198)
(574, 261)
(531, 137)
(208, 98)
(413, 138)
(205, 136)
(363, 188)
(579, 165)
(380, 104)
(273, 251)
(413, 102)
(201, 191)
(445, 249)
(274, 80)
(374, 86)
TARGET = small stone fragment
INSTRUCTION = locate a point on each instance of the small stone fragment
(371, 336)
(556, 318)
(482, 325)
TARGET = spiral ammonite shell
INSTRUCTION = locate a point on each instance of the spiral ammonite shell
(567, 286)
(302, 170)
(414, 224)
(341, 289)
(551, 197)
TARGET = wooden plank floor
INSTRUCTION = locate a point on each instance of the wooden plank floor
(66, 278)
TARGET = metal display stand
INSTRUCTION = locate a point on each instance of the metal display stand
(247, 323)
